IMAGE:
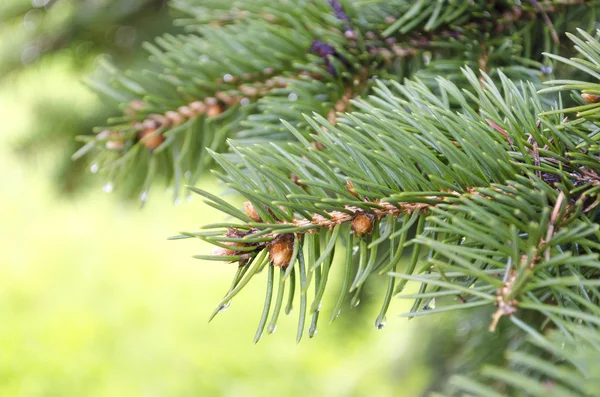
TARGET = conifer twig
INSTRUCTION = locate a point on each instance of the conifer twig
(507, 305)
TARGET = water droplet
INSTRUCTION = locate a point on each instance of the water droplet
(312, 331)
(244, 101)
(32, 19)
(354, 249)
(108, 187)
(355, 303)
(337, 314)
(430, 305)
(228, 78)
(30, 54)
(319, 307)
(224, 307)
(144, 196)
(94, 168)
(187, 174)
(177, 201)
(272, 328)
(380, 323)
(349, 34)
(125, 36)
(293, 96)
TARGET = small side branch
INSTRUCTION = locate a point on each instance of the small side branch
(507, 305)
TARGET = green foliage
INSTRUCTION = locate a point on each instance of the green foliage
(558, 365)
(490, 192)
(263, 61)
(473, 188)
(588, 63)
(37, 36)
(38, 28)
(414, 131)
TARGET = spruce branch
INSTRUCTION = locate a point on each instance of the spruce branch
(471, 190)
(410, 146)
(322, 61)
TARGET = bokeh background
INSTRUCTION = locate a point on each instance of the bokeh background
(94, 301)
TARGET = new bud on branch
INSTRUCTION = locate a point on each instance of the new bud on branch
(281, 250)
(590, 98)
(151, 139)
(362, 224)
(113, 141)
(221, 251)
(251, 212)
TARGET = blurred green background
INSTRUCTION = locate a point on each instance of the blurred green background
(94, 301)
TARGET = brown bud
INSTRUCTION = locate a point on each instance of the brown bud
(160, 119)
(198, 107)
(591, 98)
(214, 110)
(137, 105)
(331, 117)
(281, 249)
(340, 105)
(226, 98)
(149, 124)
(185, 112)
(133, 107)
(362, 224)
(209, 101)
(111, 144)
(174, 117)
(296, 180)
(220, 251)
(350, 188)
(317, 145)
(251, 212)
(150, 139)
(249, 90)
